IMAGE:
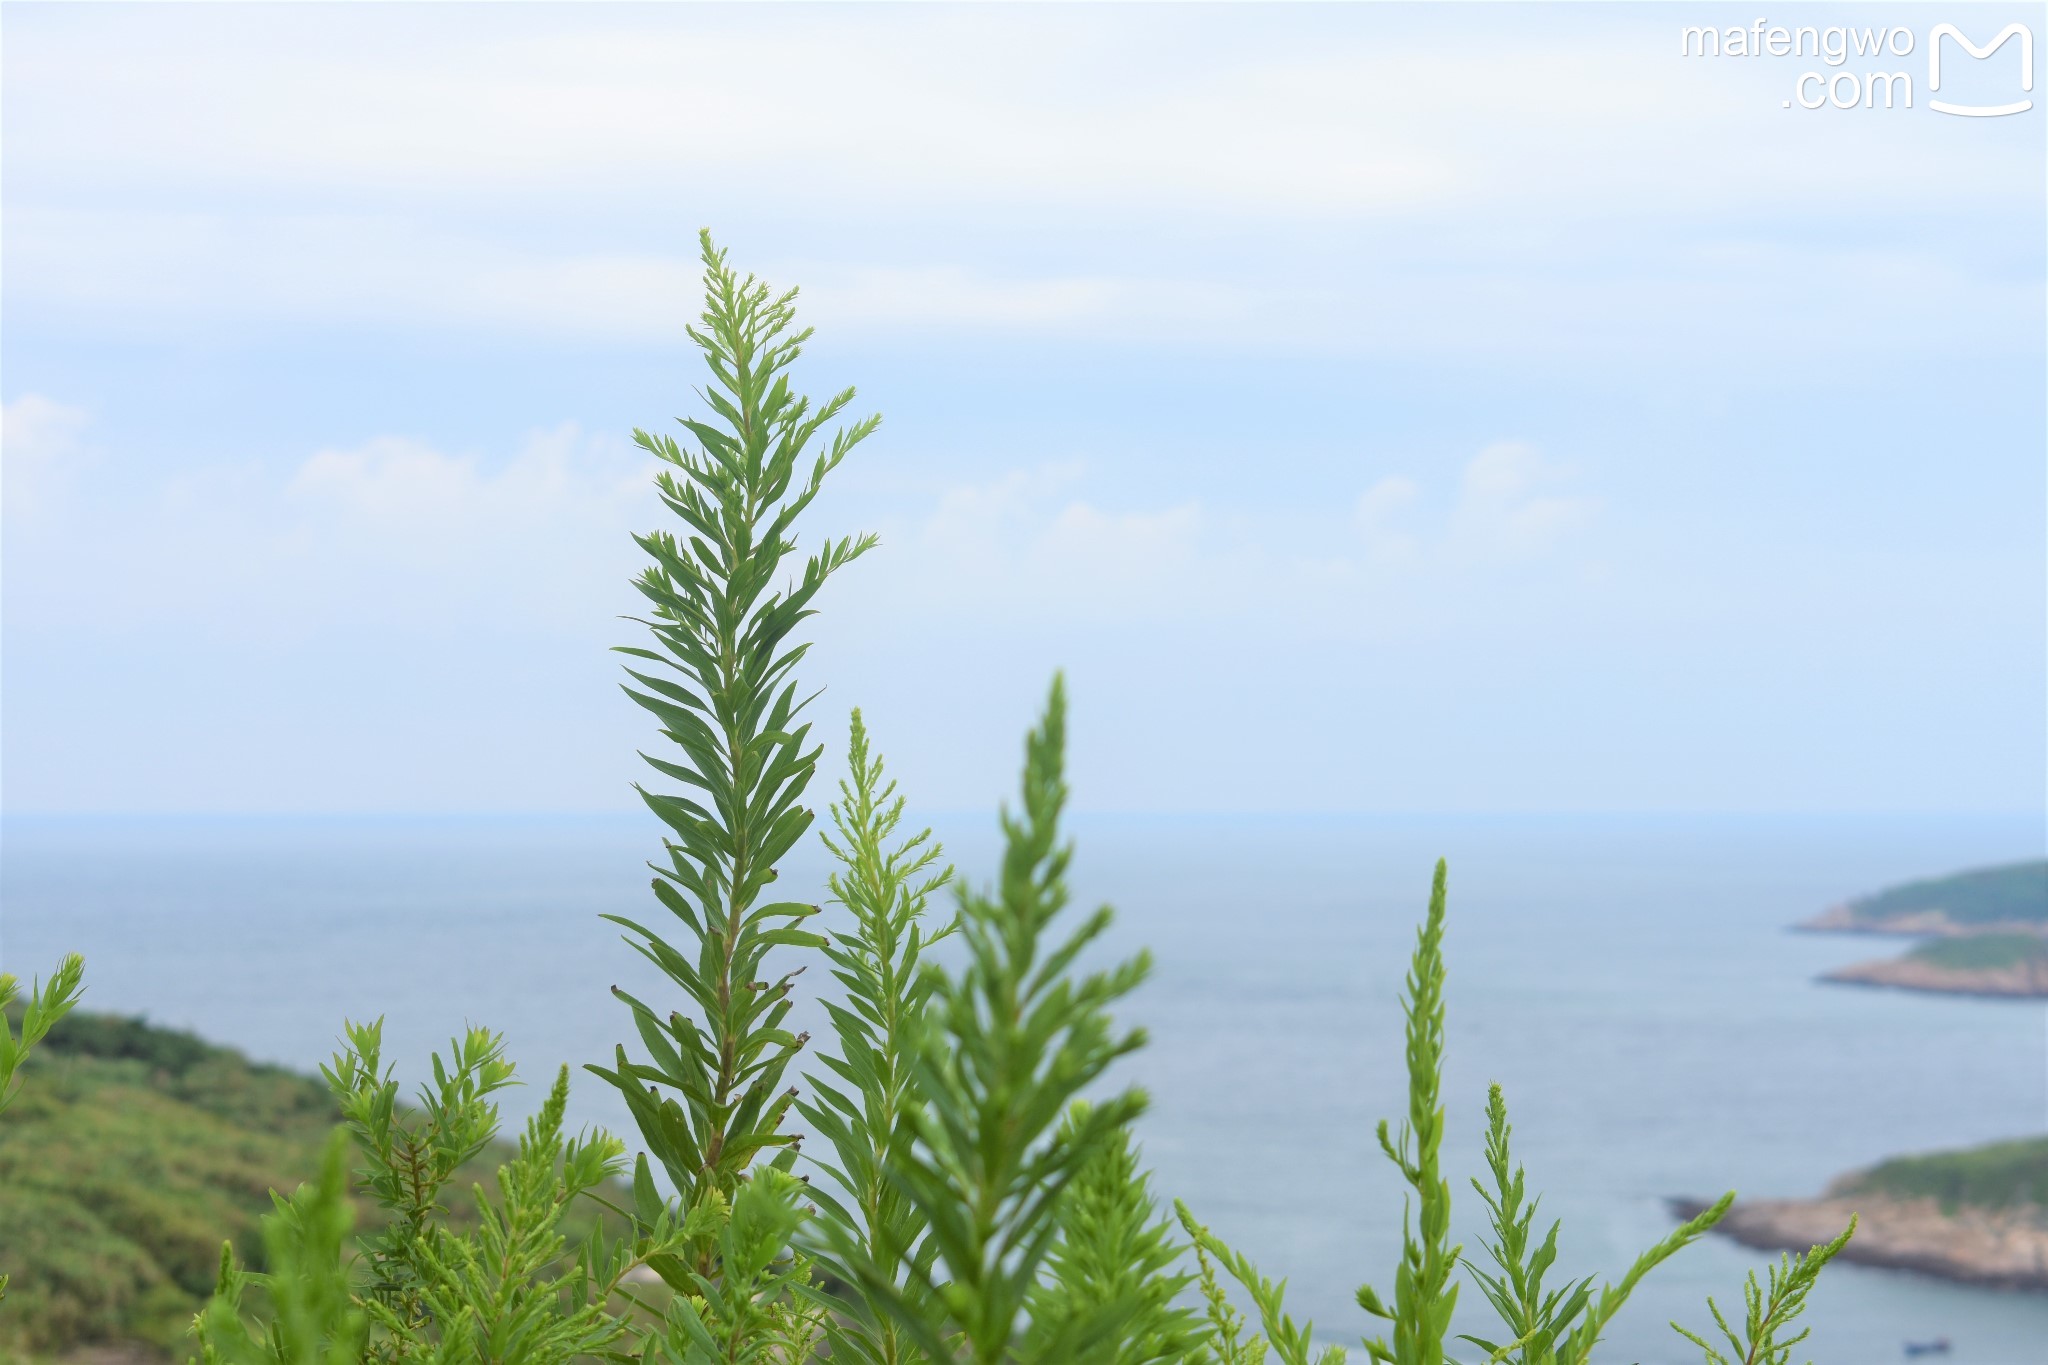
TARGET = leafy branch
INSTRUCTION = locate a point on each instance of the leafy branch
(46, 1005)
(861, 1110)
(1424, 1297)
(708, 1098)
(1008, 1042)
(1770, 1309)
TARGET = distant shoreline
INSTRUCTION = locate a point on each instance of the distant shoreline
(2015, 981)
(1847, 919)
(2001, 1249)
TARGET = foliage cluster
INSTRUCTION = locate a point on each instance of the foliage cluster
(1980, 952)
(978, 1194)
(2013, 894)
(136, 1150)
(1998, 1176)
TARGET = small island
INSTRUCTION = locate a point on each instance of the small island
(1978, 1216)
(1985, 932)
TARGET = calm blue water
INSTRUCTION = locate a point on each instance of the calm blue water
(1627, 979)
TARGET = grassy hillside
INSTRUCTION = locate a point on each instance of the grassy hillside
(1980, 952)
(2003, 1175)
(2013, 894)
(131, 1154)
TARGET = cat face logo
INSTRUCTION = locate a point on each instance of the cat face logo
(2020, 31)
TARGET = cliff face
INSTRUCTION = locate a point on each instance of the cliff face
(1912, 974)
(2004, 1249)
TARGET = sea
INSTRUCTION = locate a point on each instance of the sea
(1630, 980)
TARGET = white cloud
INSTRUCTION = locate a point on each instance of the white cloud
(393, 532)
(139, 266)
(1706, 309)
(40, 447)
(1025, 542)
(1031, 543)
(868, 106)
(1138, 551)
(373, 269)
(1382, 516)
(544, 533)
(1514, 504)
(1350, 116)
(1399, 184)
(418, 495)
(952, 296)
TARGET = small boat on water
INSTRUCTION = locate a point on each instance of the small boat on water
(1937, 1347)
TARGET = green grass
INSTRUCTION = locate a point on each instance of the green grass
(2004, 1175)
(2013, 894)
(131, 1154)
(1976, 952)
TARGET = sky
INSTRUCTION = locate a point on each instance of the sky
(1468, 408)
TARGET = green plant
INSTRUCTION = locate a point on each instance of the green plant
(1285, 1338)
(1424, 1297)
(1537, 1321)
(414, 1157)
(505, 1288)
(1771, 1309)
(709, 1098)
(314, 1318)
(1563, 1325)
(46, 1005)
(862, 1108)
(751, 1312)
(1005, 1045)
(1116, 1258)
(500, 1293)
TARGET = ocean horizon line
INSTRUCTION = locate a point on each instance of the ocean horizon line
(949, 813)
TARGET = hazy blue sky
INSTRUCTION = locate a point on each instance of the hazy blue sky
(1474, 408)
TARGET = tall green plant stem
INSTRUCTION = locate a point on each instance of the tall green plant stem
(860, 1108)
(1424, 1296)
(1005, 1045)
(708, 1098)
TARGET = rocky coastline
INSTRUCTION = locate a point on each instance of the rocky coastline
(1996, 1248)
(2016, 980)
(1849, 918)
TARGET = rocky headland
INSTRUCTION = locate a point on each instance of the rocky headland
(2003, 1249)
(1978, 1216)
(2021, 977)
